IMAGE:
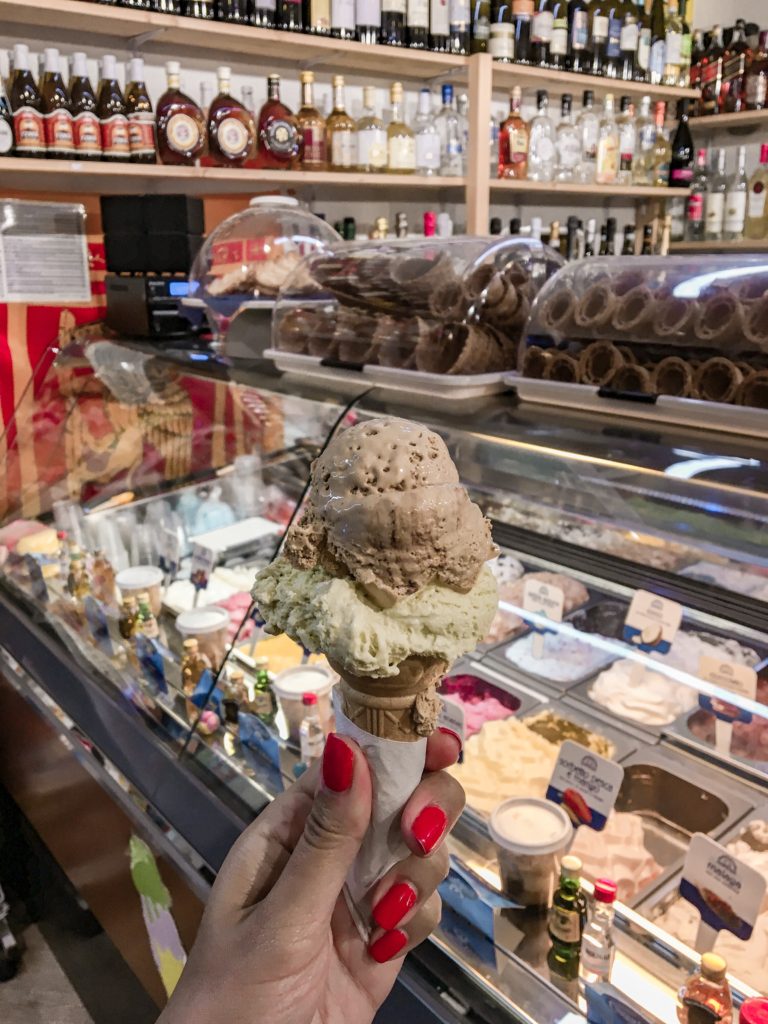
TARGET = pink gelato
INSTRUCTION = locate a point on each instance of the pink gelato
(481, 701)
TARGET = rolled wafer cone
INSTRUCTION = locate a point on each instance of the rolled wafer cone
(460, 349)
(559, 313)
(753, 390)
(421, 275)
(293, 330)
(402, 707)
(634, 311)
(563, 368)
(484, 278)
(674, 319)
(355, 337)
(673, 376)
(598, 362)
(717, 380)
(596, 307)
(396, 341)
(754, 288)
(627, 282)
(632, 378)
(448, 301)
(756, 325)
(536, 361)
(720, 320)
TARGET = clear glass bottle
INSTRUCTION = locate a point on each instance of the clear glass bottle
(513, 140)
(401, 144)
(694, 207)
(450, 131)
(541, 141)
(311, 127)
(673, 44)
(756, 223)
(706, 995)
(607, 170)
(341, 143)
(567, 142)
(627, 140)
(371, 136)
(427, 136)
(646, 137)
(597, 944)
(311, 735)
(714, 204)
(662, 150)
(590, 237)
(589, 127)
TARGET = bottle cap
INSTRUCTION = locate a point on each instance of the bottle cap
(605, 890)
(190, 644)
(235, 674)
(571, 866)
(109, 66)
(20, 57)
(338, 80)
(396, 91)
(224, 73)
(764, 153)
(172, 67)
(495, 225)
(713, 966)
(52, 59)
(588, 97)
(447, 93)
(307, 77)
(517, 93)
(430, 223)
(754, 1011)
(541, 95)
(309, 699)
(136, 69)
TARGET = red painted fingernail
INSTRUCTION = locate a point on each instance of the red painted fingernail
(338, 764)
(387, 945)
(450, 732)
(429, 827)
(394, 905)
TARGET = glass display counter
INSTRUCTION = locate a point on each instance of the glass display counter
(143, 491)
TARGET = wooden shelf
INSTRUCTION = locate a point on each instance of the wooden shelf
(740, 124)
(746, 245)
(110, 178)
(598, 193)
(88, 23)
(507, 75)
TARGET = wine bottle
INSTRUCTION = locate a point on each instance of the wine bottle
(392, 22)
(481, 26)
(542, 26)
(417, 24)
(458, 26)
(558, 46)
(141, 118)
(598, 18)
(236, 11)
(643, 59)
(111, 109)
(438, 25)
(579, 56)
(6, 123)
(657, 59)
(628, 43)
(681, 162)
(522, 16)
(85, 124)
(317, 17)
(263, 13)
(615, 11)
(26, 106)
(343, 19)
(289, 15)
(57, 113)
(367, 20)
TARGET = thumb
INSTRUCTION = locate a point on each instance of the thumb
(310, 883)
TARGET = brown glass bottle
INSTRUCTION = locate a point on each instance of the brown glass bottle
(231, 131)
(180, 123)
(277, 133)
(110, 107)
(311, 124)
(6, 123)
(85, 126)
(26, 106)
(141, 118)
(57, 114)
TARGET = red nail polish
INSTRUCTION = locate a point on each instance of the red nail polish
(338, 764)
(429, 827)
(387, 945)
(394, 905)
(450, 732)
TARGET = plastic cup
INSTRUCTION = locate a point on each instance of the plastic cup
(137, 578)
(290, 686)
(210, 627)
(531, 835)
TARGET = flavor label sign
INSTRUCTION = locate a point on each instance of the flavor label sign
(727, 892)
(543, 599)
(652, 622)
(203, 562)
(728, 675)
(452, 717)
(585, 784)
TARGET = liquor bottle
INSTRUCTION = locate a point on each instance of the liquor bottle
(438, 25)
(111, 110)
(676, 209)
(736, 200)
(572, 239)
(85, 122)
(26, 106)
(681, 161)
(231, 131)
(417, 23)
(612, 63)
(579, 56)
(590, 234)
(57, 113)
(371, 136)
(536, 229)
(646, 137)
(607, 170)
(263, 13)
(756, 86)
(522, 16)
(401, 144)
(627, 140)
(317, 17)
(588, 125)
(553, 239)
(628, 246)
(392, 22)
(542, 25)
(514, 226)
(513, 140)
(567, 142)
(451, 141)
(673, 44)
(289, 15)
(736, 60)
(598, 947)
(234, 695)
(6, 123)
(686, 44)
(458, 26)
(141, 118)
(427, 136)
(662, 151)
(565, 922)
(147, 623)
(232, 10)
(756, 223)
(311, 735)
(481, 26)
(501, 44)
(694, 207)
(198, 8)
(277, 135)
(263, 703)
(129, 618)
(541, 141)
(181, 128)
(629, 39)
(311, 126)
(341, 144)
(343, 19)
(558, 46)
(610, 237)
(367, 20)
(598, 18)
(643, 60)
(657, 59)
(714, 205)
(711, 73)
(706, 995)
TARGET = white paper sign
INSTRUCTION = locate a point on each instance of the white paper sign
(652, 622)
(543, 599)
(585, 784)
(452, 716)
(203, 562)
(736, 678)
(43, 253)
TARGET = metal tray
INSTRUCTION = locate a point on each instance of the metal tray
(624, 743)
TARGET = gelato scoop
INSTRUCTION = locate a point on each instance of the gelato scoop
(618, 852)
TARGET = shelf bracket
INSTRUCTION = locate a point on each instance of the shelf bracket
(136, 43)
(320, 60)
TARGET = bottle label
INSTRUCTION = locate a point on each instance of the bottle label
(438, 18)
(428, 151)
(686, 48)
(343, 14)
(658, 57)
(600, 26)
(59, 134)
(674, 45)
(372, 147)
(501, 44)
(608, 159)
(543, 24)
(714, 210)
(86, 133)
(524, 7)
(313, 149)
(320, 15)
(735, 211)
(312, 746)
(612, 48)
(114, 136)
(543, 152)
(683, 175)
(141, 133)
(733, 68)
(368, 13)
(644, 48)
(6, 137)
(393, 6)
(579, 30)
(757, 201)
(564, 925)
(597, 959)
(694, 208)
(280, 138)
(182, 133)
(630, 37)
(518, 145)
(757, 89)
(458, 14)
(481, 29)
(418, 14)
(343, 152)
(262, 703)
(568, 151)
(233, 137)
(402, 153)
(589, 139)
(28, 130)
(559, 42)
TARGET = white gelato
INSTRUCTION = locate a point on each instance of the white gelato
(564, 660)
(618, 853)
(740, 581)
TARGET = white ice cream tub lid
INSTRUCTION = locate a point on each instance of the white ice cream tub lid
(198, 621)
(293, 683)
(139, 577)
(516, 824)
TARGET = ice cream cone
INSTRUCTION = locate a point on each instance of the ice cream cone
(402, 707)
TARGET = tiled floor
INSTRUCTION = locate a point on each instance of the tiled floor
(40, 993)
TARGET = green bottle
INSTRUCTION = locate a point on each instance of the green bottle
(263, 704)
(566, 919)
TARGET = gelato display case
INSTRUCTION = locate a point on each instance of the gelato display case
(143, 492)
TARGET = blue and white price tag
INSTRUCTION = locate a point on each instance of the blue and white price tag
(203, 563)
(544, 600)
(585, 784)
(735, 678)
(652, 622)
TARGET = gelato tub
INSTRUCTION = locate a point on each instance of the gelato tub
(531, 836)
(290, 686)
(508, 623)
(565, 661)
(480, 699)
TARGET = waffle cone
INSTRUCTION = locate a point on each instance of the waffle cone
(402, 707)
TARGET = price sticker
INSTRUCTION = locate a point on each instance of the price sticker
(452, 717)
(652, 622)
(203, 563)
(169, 551)
(585, 784)
(738, 679)
(545, 600)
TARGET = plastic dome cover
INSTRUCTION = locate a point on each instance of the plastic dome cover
(251, 254)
